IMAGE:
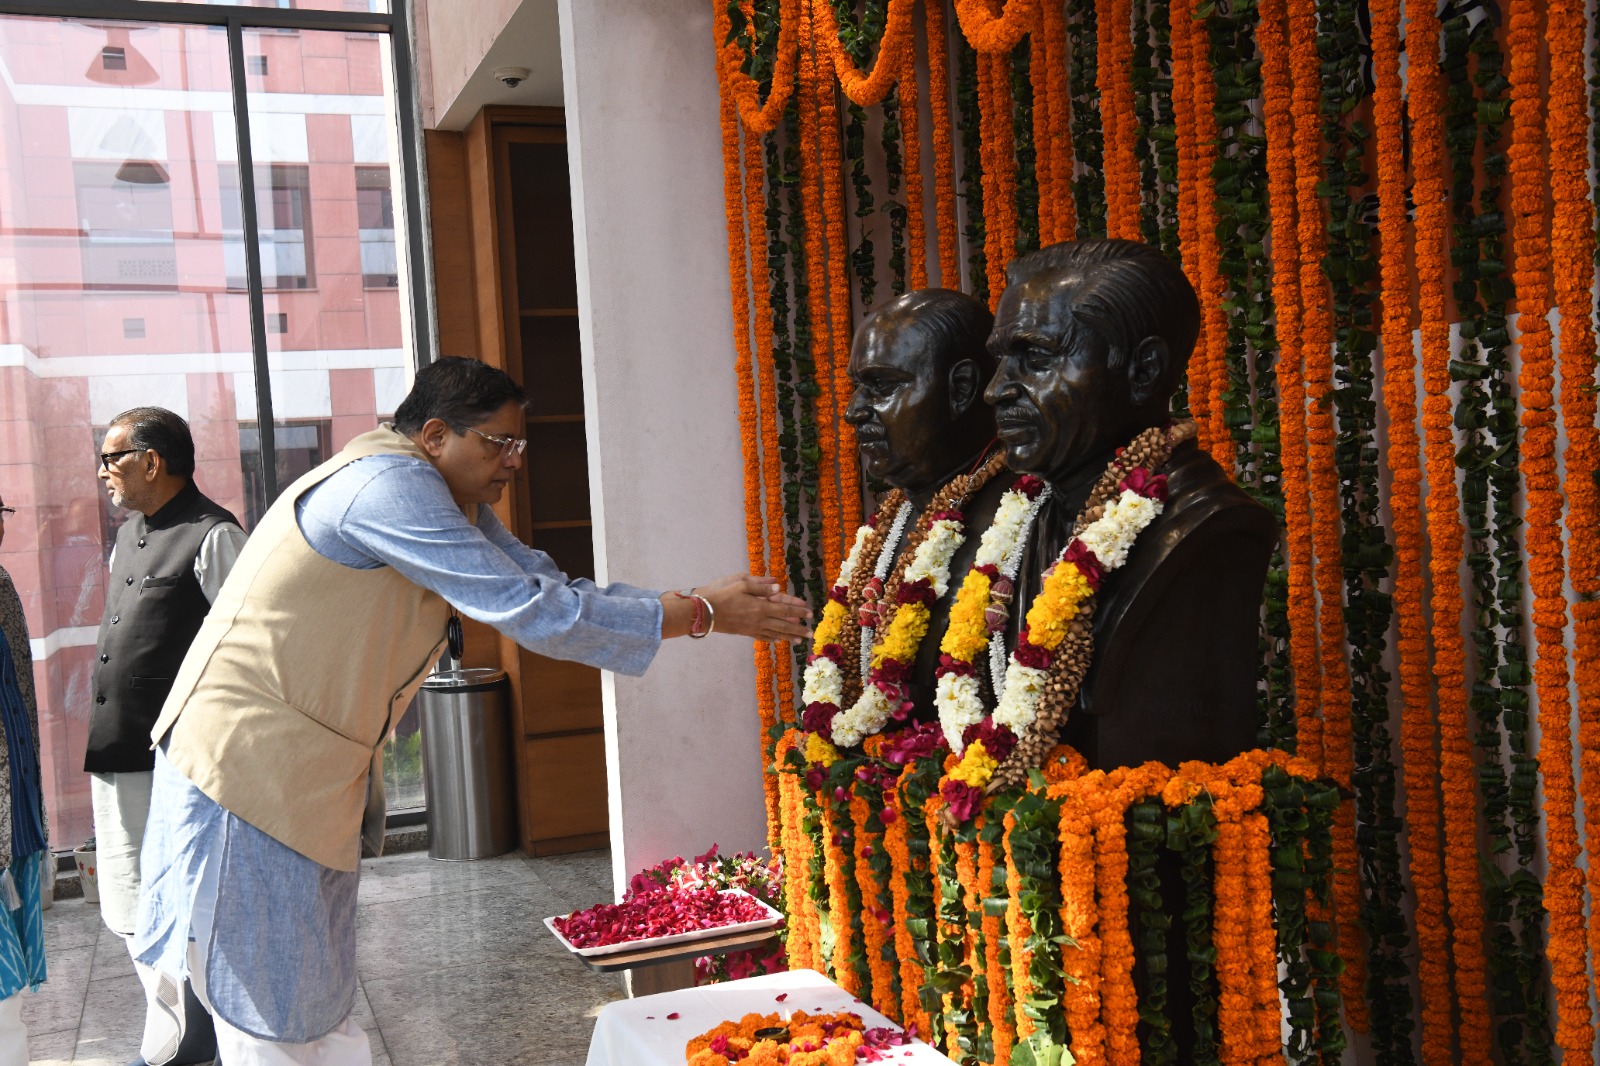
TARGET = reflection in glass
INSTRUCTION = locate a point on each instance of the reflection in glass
(122, 276)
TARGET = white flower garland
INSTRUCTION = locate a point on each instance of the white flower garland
(869, 714)
(880, 570)
(1110, 538)
(1010, 565)
(959, 697)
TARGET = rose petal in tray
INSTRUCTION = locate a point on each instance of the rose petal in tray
(659, 918)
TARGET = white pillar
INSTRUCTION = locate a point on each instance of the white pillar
(682, 743)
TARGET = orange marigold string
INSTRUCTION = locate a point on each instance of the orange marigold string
(834, 866)
(1079, 916)
(749, 428)
(1213, 286)
(1051, 38)
(896, 841)
(875, 931)
(1263, 935)
(1119, 1003)
(804, 927)
(1181, 15)
(839, 311)
(758, 116)
(898, 37)
(1044, 144)
(992, 32)
(819, 268)
(1114, 80)
(1334, 746)
(1546, 573)
(1018, 930)
(939, 930)
(1000, 168)
(1430, 192)
(1572, 261)
(911, 134)
(972, 902)
(944, 166)
(1002, 1029)
(780, 663)
(1230, 930)
(1277, 92)
(1420, 768)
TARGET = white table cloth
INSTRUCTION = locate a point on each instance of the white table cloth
(638, 1032)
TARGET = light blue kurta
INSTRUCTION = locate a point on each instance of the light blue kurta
(279, 929)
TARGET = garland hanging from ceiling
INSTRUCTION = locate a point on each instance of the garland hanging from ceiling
(1361, 236)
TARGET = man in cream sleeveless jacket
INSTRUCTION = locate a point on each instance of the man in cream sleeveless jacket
(330, 621)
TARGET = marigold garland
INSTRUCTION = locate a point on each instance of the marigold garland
(898, 36)
(1399, 392)
(1564, 882)
(999, 167)
(820, 271)
(995, 33)
(838, 871)
(1079, 918)
(1056, 181)
(874, 926)
(1322, 476)
(1286, 261)
(1572, 246)
(1206, 388)
(1114, 78)
(1001, 1028)
(1444, 536)
(759, 117)
(911, 133)
(944, 165)
(749, 429)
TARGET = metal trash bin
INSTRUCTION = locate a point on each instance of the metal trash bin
(466, 764)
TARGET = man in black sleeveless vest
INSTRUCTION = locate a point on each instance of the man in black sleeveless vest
(170, 559)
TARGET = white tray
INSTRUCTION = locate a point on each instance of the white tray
(773, 919)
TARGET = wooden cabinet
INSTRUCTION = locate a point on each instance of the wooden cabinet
(500, 200)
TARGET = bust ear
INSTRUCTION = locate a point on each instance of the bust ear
(964, 387)
(1147, 369)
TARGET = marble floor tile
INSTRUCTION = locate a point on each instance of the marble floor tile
(113, 1020)
(413, 874)
(71, 923)
(444, 932)
(58, 1004)
(578, 880)
(111, 958)
(362, 1011)
(518, 1012)
(52, 1049)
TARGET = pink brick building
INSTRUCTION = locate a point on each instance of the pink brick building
(122, 274)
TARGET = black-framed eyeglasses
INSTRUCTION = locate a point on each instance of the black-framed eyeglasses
(508, 445)
(5, 511)
(107, 458)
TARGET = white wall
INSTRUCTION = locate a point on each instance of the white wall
(682, 743)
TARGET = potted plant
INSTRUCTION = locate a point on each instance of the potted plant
(87, 874)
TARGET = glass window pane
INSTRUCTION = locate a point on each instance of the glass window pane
(380, 7)
(118, 243)
(323, 138)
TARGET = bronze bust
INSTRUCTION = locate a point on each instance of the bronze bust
(919, 365)
(1091, 339)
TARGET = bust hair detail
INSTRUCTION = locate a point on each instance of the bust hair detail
(1126, 291)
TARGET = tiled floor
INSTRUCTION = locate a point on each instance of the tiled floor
(456, 968)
